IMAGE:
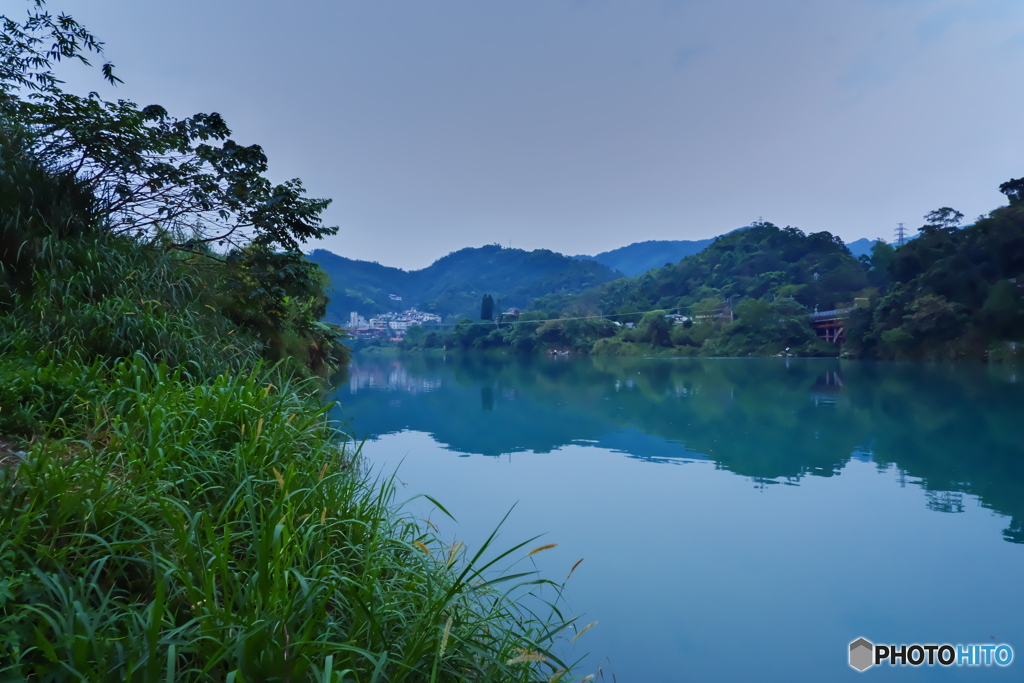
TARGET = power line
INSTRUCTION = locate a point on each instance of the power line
(548, 320)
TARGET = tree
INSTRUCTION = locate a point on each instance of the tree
(944, 219)
(1014, 190)
(1001, 311)
(168, 184)
(707, 309)
(27, 51)
(487, 308)
(881, 257)
(753, 313)
(654, 329)
(184, 181)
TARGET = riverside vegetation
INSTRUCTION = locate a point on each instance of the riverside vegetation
(174, 503)
(949, 294)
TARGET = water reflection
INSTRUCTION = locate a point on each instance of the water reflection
(949, 429)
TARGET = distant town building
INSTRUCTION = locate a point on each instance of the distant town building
(388, 324)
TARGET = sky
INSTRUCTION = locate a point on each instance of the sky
(584, 125)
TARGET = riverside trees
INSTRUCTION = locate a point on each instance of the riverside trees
(174, 184)
(952, 293)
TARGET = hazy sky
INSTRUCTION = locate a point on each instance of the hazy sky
(584, 125)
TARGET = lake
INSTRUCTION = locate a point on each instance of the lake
(740, 519)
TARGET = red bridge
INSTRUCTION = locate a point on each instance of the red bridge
(831, 325)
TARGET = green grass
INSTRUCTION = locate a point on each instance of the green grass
(204, 531)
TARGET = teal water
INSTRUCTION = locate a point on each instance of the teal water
(740, 519)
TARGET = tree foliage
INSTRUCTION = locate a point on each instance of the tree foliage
(762, 261)
(84, 166)
(156, 174)
(950, 293)
(487, 307)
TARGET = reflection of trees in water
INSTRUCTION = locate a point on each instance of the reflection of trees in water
(954, 429)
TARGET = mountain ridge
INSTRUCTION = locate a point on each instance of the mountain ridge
(453, 285)
(639, 257)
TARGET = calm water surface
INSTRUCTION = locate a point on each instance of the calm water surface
(740, 520)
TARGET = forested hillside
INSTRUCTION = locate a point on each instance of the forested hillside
(951, 293)
(761, 261)
(749, 292)
(639, 257)
(454, 285)
(355, 285)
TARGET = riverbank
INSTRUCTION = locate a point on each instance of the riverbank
(174, 501)
(204, 530)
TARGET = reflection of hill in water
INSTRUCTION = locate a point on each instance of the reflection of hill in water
(955, 428)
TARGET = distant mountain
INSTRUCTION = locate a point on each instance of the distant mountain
(639, 257)
(861, 247)
(453, 286)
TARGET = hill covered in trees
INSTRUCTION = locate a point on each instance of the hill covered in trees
(761, 261)
(951, 293)
(453, 286)
(749, 292)
(639, 257)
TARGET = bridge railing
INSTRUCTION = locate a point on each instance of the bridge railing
(830, 315)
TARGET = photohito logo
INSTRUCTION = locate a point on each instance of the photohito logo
(865, 654)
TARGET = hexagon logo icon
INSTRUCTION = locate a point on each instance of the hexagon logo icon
(862, 654)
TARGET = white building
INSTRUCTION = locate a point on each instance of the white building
(356, 321)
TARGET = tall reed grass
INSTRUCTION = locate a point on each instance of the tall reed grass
(214, 531)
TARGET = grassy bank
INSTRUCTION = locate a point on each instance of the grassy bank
(174, 504)
(167, 528)
(173, 507)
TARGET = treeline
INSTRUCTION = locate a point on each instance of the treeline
(174, 502)
(950, 293)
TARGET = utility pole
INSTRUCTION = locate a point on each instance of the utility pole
(901, 235)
